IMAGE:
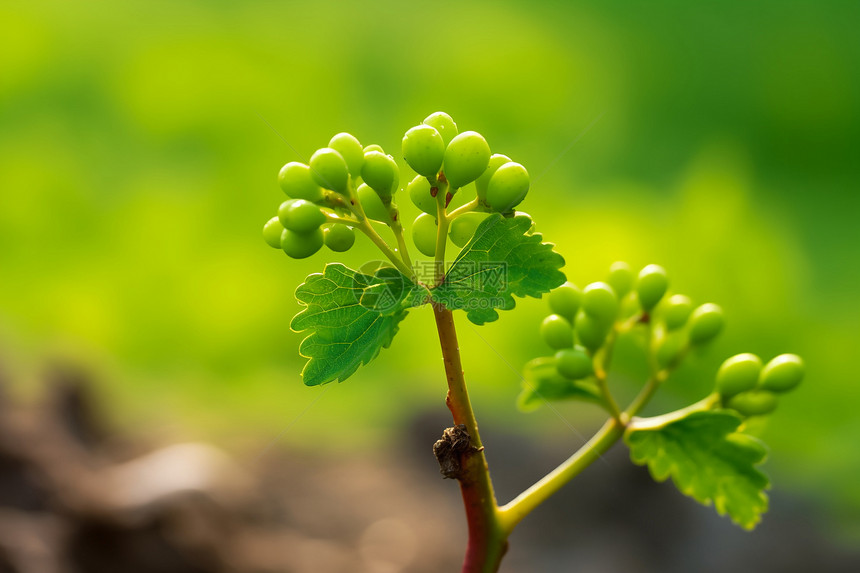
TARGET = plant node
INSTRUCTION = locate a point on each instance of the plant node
(452, 450)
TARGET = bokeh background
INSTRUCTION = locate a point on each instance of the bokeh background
(139, 147)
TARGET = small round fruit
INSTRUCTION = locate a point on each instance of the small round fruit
(573, 363)
(676, 311)
(301, 245)
(419, 193)
(373, 206)
(463, 227)
(565, 300)
(466, 157)
(515, 214)
(783, 373)
(284, 211)
(590, 331)
(373, 147)
(339, 237)
(508, 187)
(424, 234)
(705, 323)
(300, 216)
(620, 278)
(651, 287)
(670, 349)
(753, 403)
(557, 332)
(481, 182)
(296, 181)
(272, 231)
(329, 169)
(381, 173)
(423, 150)
(444, 124)
(738, 374)
(350, 149)
(599, 301)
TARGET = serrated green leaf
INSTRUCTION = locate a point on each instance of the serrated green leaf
(542, 382)
(501, 261)
(350, 317)
(708, 460)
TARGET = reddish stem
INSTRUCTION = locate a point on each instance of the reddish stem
(487, 541)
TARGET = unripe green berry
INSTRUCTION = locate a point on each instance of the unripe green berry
(373, 206)
(300, 216)
(424, 232)
(380, 172)
(620, 278)
(463, 227)
(557, 332)
(272, 231)
(339, 237)
(565, 300)
(705, 323)
(296, 181)
(466, 157)
(508, 187)
(599, 301)
(444, 124)
(753, 403)
(738, 374)
(481, 182)
(651, 287)
(783, 373)
(676, 310)
(573, 363)
(591, 331)
(515, 214)
(373, 147)
(670, 349)
(350, 149)
(423, 150)
(301, 245)
(419, 193)
(329, 169)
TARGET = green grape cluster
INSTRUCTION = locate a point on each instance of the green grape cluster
(341, 184)
(751, 389)
(582, 320)
(345, 186)
(446, 161)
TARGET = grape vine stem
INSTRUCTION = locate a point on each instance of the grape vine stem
(487, 538)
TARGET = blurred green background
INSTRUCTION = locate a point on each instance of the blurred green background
(139, 154)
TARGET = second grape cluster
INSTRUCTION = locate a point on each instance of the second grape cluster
(583, 321)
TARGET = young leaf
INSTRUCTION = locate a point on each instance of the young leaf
(541, 382)
(350, 317)
(708, 461)
(500, 261)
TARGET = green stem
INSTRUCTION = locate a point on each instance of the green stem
(601, 363)
(342, 220)
(470, 206)
(487, 537)
(512, 513)
(365, 227)
(657, 422)
(363, 224)
(442, 223)
(397, 229)
(645, 394)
